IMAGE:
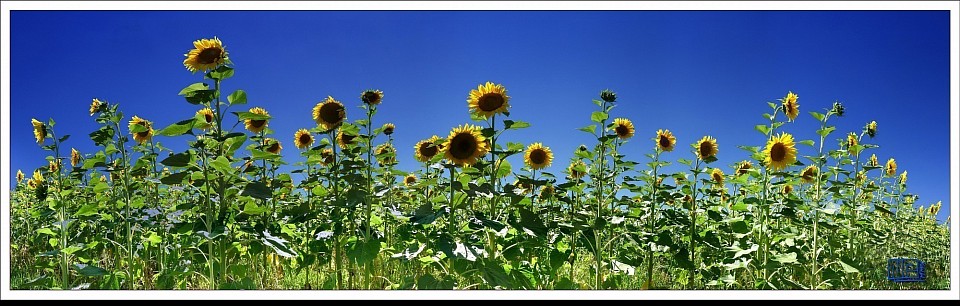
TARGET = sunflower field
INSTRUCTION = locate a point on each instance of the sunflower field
(222, 215)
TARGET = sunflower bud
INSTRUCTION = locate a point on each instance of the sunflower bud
(838, 109)
(388, 129)
(608, 96)
(582, 148)
(871, 128)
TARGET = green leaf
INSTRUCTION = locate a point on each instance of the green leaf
(87, 210)
(817, 116)
(279, 245)
(251, 208)
(762, 128)
(88, 270)
(806, 142)
(47, 231)
(592, 129)
(826, 131)
(237, 97)
(251, 116)
(515, 125)
(786, 258)
(174, 178)
(100, 187)
(221, 73)
(532, 224)
(177, 160)
(178, 128)
(504, 169)
(848, 266)
(364, 251)
(257, 190)
(222, 165)
(598, 116)
(193, 88)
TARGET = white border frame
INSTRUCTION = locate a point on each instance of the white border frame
(8, 6)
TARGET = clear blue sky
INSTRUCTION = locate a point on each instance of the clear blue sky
(695, 73)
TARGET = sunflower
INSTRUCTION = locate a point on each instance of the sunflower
(743, 167)
(388, 128)
(538, 156)
(426, 149)
(659, 181)
(809, 174)
(546, 191)
(891, 167)
(873, 161)
(872, 129)
(790, 106)
(37, 177)
(326, 156)
(787, 189)
(707, 147)
(206, 117)
(345, 140)
(302, 139)
(54, 166)
(623, 127)
(206, 54)
(74, 157)
(679, 180)
(256, 126)
(95, 106)
(329, 113)
(717, 175)
(665, 140)
(521, 188)
(19, 176)
(780, 152)
(409, 179)
(903, 178)
(272, 145)
(488, 100)
(465, 145)
(386, 154)
(39, 130)
(574, 173)
(851, 140)
(861, 177)
(371, 96)
(143, 127)
(935, 208)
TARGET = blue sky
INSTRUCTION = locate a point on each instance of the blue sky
(695, 73)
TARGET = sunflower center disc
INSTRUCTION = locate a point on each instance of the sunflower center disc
(257, 123)
(371, 97)
(330, 113)
(538, 157)
(209, 55)
(463, 146)
(705, 149)
(622, 130)
(490, 102)
(428, 150)
(208, 118)
(664, 142)
(304, 139)
(778, 152)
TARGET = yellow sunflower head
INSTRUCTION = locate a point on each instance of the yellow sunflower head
(935, 208)
(707, 147)
(205, 118)
(873, 161)
(861, 177)
(371, 96)
(903, 178)
(206, 54)
(665, 140)
(790, 106)
(329, 113)
(787, 189)
(410, 179)
(780, 152)
(488, 99)
(426, 149)
(891, 167)
(302, 139)
(388, 129)
(39, 130)
(256, 126)
(623, 127)
(326, 156)
(546, 191)
(95, 106)
(37, 176)
(344, 140)
(872, 129)
(809, 174)
(19, 176)
(717, 175)
(538, 156)
(386, 154)
(743, 167)
(679, 180)
(272, 145)
(574, 171)
(852, 140)
(141, 129)
(54, 166)
(74, 157)
(521, 188)
(465, 145)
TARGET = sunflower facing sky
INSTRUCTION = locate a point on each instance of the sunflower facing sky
(205, 118)
(302, 139)
(780, 152)
(371, 96)
(39, 130)
(891, 167)
(665, 140)
(19, 176)
(206, 54)
(329, 113)
(809, 174)
(143, 128)
(623, 127)
(465, 145)
(256, 126)
(489, 99)
(426, 149)
(410, 179)
(790, 106)
(538, 156)
(707, 147)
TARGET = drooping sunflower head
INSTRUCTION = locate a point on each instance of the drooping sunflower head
(426, 149)
(577, 169)
(872, 128)
(74, 157)
(780, 152)
(388, 128)
(903, 178)
(608, 95)
(410, 179)
(371, 96)
(19, 176)
(54, 166)
(809, 174)
(707, 147)
(329, 113)
(141, 129)
(538, 156)
(790, 106)
(344, 140)
(465, 145)
(205, 118)
(39, 130)
(787, 189)
(256, 125)
(302, 139)
(386, 154)
(873, 161)
(838, 108)
(206, 54)
(488, 99)
(522, 188)
(623, 127)
(679, 180)
(95, 106)
(852, 139)
(743, 167)
(665, 140)
(935, 208)
(546, 191)
(717, 175)
(272, 145)
(891, 167)
(326, 156)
